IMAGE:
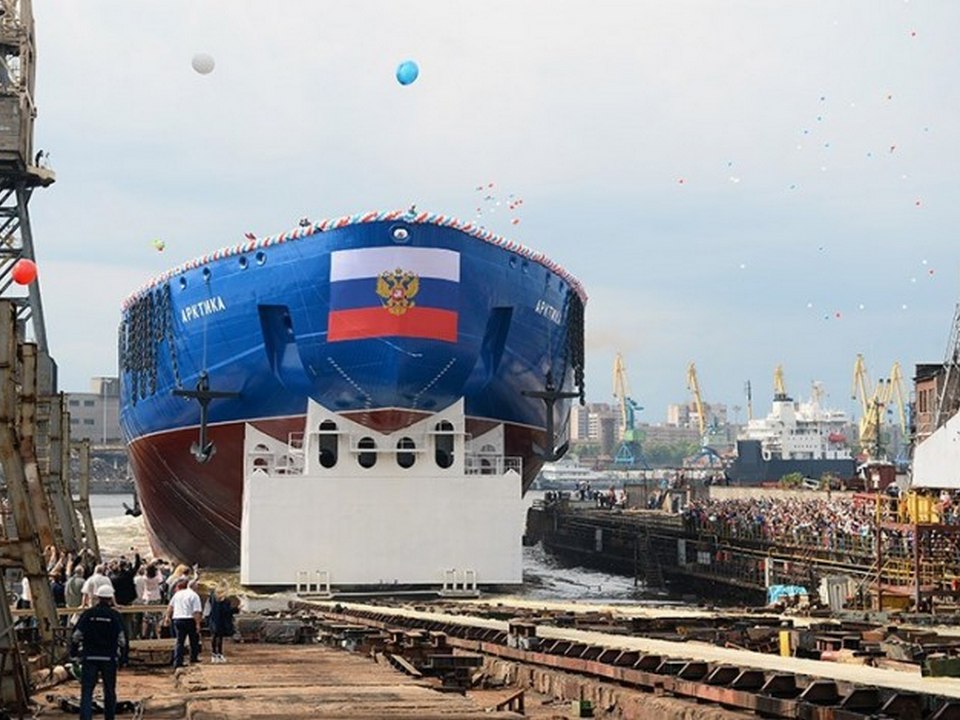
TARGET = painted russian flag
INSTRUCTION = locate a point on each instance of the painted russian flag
(394, 291)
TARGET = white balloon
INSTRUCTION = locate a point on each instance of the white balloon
(203, 63)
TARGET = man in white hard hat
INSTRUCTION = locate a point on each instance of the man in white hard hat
(102, 646)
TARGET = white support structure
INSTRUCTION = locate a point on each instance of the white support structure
(936, 461)
(459, 583)
(315, 583)
(378, 511)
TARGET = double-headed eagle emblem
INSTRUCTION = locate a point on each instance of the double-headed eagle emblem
(396, 289)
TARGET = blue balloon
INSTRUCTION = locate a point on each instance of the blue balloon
(407, 72)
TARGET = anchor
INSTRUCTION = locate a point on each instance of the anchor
(204, 449)
(136, 510)
(550, 394)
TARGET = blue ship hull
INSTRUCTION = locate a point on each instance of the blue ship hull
(276, 321)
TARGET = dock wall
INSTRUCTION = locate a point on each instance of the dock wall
(662, 550)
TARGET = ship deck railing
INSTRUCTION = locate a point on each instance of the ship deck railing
(490, 464)
(295, 443)
(291, 461)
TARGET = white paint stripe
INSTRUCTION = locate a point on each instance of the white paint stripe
(370, 262)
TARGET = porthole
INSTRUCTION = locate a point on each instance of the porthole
(206, 274)
(400, 234)
(525, 266)
(183, 282)
(261, 257)
(406, 459)
(243, 262)
(367, 459)
(443, 444)
(328, 444)
(513, 261)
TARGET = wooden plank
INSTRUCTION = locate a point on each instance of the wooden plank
(401, 663)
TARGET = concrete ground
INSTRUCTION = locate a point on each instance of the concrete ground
(291, 681)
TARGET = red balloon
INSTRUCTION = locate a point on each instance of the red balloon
(24, 271)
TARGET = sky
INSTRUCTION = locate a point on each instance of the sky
(737, 183)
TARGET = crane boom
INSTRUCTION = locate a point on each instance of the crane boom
(860, 383)
(896, 381)
(693, 385)
(779, 388)
(874, 399)
(620, 390)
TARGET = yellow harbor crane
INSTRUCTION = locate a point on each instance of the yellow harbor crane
(779, 388)
(693, 385)
(630, 452)
(874, 400)
(621, 391)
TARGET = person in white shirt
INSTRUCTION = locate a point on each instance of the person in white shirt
(94, 583)
(186, 612)
(150, 594)
(26, 596)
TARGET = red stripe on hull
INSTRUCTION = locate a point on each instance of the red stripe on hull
(193, 510)
(416, 322)
(386, 421)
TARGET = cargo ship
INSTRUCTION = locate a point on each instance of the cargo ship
(795, 437)
(382, 319)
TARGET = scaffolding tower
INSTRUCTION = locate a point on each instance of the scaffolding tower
(948, 391)
(37, 503)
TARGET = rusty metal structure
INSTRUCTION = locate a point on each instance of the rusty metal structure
(37, 501)
(771, 694)
(25, 517)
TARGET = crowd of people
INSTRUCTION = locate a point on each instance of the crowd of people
(101, 635)
(838, 523)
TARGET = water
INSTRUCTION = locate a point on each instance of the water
(109, 505)
(544, 577)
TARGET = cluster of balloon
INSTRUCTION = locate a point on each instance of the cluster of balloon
(159, 245)
(511, 202)
(407, 72)
(203, 63)
(24, 271)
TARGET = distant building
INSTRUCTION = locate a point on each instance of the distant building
(685, 415)
(927, 383)
(95, 415)
(608, 433)
(579, 422)
(668, 435)
(591, 422)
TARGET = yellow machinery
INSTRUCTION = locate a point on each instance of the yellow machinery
(873, 403)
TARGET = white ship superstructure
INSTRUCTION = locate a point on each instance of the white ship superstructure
(800, 431)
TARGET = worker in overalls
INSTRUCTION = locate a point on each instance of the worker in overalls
(102, 646)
